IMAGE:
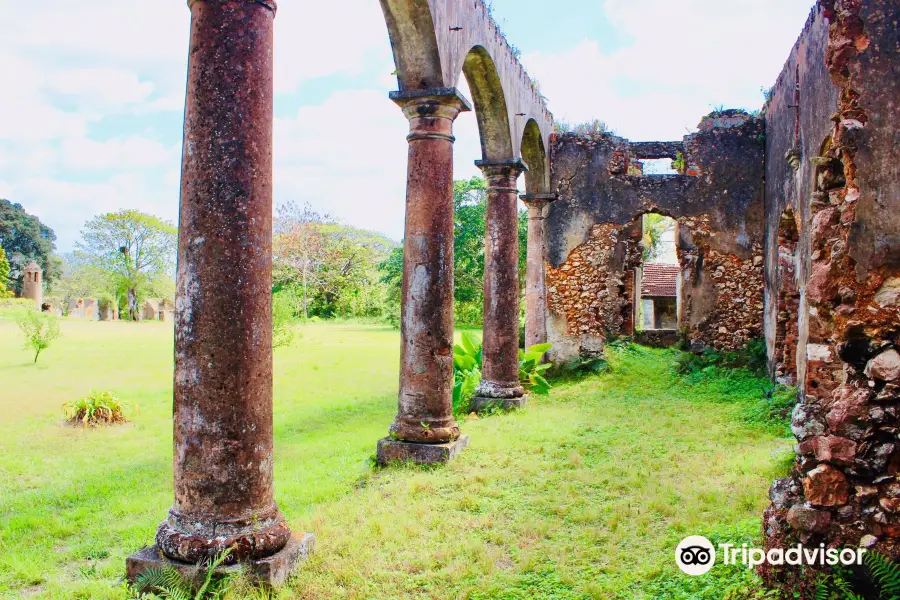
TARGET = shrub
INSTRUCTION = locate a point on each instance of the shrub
(105, 301)
(39, 330)
(466, 371)
(531, 369)
(97, 408)
(581, 367)
(752, 357)
(467, 362)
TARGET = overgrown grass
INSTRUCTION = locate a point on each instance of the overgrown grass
(583, 495)
(97, 408)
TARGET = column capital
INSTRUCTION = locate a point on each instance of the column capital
(502, 168)
(439, 103)
(536, 203)
(270, 4)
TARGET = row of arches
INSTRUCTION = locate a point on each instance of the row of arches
(435, 44)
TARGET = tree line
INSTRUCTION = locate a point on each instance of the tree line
(321, 268)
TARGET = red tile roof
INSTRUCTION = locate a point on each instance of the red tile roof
(660, 280)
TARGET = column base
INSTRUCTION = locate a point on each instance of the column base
(480, 404)
(423, 454)
(271, 572)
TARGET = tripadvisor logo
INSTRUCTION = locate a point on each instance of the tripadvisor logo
(696, 555)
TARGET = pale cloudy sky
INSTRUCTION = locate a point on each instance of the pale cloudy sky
(91, 106)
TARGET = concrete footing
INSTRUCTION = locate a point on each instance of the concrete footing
(270, 572)
(480, 404)
(424, 454)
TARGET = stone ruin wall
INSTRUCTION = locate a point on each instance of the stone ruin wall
(594, 233)
(834, 161)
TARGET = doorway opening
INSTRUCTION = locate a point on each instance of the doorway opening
(658, 281)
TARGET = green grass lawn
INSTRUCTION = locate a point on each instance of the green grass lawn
(583, 495)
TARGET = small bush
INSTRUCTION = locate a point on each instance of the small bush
(752, 357)
(97, 408)
(39, 330)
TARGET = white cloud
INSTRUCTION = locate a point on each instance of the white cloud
(118, 153)
(683, 59)
(99, 88)
(315, 39)
(67, 205)
(346, 156)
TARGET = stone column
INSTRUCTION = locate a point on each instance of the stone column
(425, 429)
(224, 493)
(500, 367)
(535, 276)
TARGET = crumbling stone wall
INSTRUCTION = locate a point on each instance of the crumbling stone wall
(594, 231)
(841, 175)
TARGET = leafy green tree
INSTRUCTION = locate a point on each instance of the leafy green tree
(81, 280)
(299, 249)
(23, 237)
(135, 249)
(4, 273)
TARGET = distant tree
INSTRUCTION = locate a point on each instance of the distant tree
(654, 227)
(299, 248)
(23, 237)
(135, 249)
(4, 273)
(330, 269)
(81, 280)
(469, 229)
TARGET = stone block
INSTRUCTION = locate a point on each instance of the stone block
(270, 572)
(480, 404)
(424, 454)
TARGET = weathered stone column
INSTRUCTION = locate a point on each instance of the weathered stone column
(535, 281)
(224, 493)
(500, 367)
(425, 429)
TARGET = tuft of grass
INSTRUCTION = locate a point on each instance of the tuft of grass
(95, 409)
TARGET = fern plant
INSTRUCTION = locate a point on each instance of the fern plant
(168, 584)
(881, 577)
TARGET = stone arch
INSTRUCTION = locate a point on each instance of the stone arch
(537, 178)
(490, 105)
(414, 44)
(433, 43)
